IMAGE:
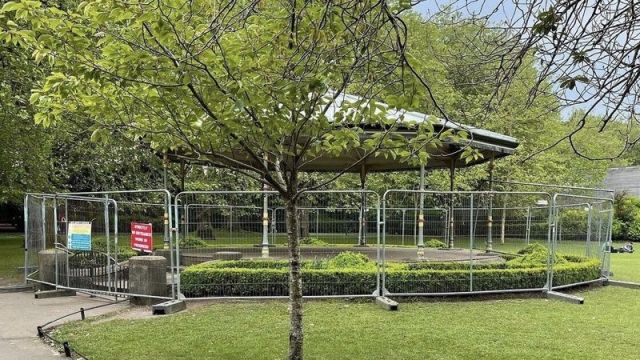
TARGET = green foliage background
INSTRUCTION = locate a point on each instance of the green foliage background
(64, 157)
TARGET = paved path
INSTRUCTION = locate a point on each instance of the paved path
(21, 313)
(407, 254)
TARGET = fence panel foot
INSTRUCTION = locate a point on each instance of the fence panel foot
(565, 297)
(169, 307)
(625, 284)
(46, 294)
(387, 303)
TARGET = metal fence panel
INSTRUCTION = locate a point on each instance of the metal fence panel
(103, 268)
(388, 244)
(472, 227)
(582, 227)
(220, 225)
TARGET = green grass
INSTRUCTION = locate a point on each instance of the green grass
(603, 328)
(530, 328)
(626, 267)
(11, 258)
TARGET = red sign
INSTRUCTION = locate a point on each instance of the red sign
(141, 237)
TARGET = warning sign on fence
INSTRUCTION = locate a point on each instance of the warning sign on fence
(141, 237)
(79, 235)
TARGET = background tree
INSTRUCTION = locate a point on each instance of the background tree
(25, 150)
(586, 53)
(245, 85)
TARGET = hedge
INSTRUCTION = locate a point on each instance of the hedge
(270, 278)
(437, 281)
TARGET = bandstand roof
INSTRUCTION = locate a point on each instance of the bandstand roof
(490, 144)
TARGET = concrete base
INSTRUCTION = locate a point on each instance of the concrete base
(147, 276)
(54, 293)
(169, 307)
(387, 303)
(625, 284)
(565, 297)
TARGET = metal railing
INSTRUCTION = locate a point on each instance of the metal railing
(397, 233)
(102, 269)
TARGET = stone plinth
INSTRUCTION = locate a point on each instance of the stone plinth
(47, 266)
(147, 276)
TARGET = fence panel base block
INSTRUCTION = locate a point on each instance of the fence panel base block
(169, 307)
(565, 297)
(46, 294)
(625, 284)
(387, 303)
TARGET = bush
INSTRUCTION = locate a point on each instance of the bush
(534, 255)
(532, 248)
(573, 223)
(453, 266)
(275, 282)
(191, 242)
(344, 260)
(350, 260)
(270, 278)
(438, 281)
(626, 222)
(633, 229)
(242, 264)
(435, 243)
(124, 253)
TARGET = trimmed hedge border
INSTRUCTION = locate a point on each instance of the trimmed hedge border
(270, 278)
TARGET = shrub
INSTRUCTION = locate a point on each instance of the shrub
(274, 282)
(350, 260)
(573, 223)
(191, 242)
(534, 255)
(242, 264)
(619, 229)
(435, 243)
(438, 281)
(453, 265)
(633, 229)
(532, 248)
(343, 260)
(124, 253)
(626, 222)
(270, 278)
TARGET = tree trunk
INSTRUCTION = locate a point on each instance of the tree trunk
(303, 224)
(295, 283)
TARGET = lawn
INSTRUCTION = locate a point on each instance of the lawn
(602, 328)
(626, 267)
(11, 258)
(525, 328)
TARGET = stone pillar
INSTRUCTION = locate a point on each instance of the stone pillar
(147, 276)
(47, 267)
